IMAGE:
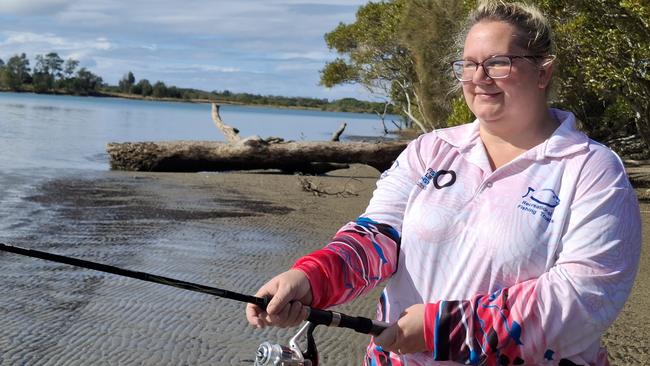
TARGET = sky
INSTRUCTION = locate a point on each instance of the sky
(269, 47)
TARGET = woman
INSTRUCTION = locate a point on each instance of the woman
(511, 240)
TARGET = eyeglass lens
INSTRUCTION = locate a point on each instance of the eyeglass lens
(495, 67)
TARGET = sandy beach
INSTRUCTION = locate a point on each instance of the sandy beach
(228, 230)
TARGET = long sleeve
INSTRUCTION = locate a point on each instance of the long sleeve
(558, 315)
(364, 252)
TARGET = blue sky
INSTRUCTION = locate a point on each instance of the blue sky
(257, 46)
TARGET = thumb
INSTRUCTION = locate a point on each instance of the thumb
(281, 298)
(387, 338)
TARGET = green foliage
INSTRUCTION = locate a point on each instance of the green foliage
(86, 82)
(143, 87)
(399, 49)
(159, 90)
(428, 30)
(338, 72)
(604, 54)
(460, 112)
(126, 83)
(373, 53)
(16, 73)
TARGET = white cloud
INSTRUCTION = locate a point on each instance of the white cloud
(197, 68)
(311, 55)
(52, 41)
(33, 7)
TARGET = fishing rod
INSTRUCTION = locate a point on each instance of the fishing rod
(267, 354)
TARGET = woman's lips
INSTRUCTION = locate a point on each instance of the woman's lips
(484, 95)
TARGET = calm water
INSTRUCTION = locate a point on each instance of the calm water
(57, 195)
(45, 137)
(62, 132)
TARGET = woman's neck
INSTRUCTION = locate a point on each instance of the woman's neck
(505, 140)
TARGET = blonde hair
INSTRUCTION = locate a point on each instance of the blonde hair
(535, 34)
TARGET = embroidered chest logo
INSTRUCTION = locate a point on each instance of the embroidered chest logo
(541, 201)
(440, 178)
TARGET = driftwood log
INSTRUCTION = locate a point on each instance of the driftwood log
(304, 157)
(251, 153)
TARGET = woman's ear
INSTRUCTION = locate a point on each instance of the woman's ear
(546, 72)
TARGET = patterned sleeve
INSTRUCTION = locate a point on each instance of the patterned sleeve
(361, 254)
(557, 316)
(365, 252)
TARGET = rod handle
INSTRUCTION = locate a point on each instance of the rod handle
(336, 319)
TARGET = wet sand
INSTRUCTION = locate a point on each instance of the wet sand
(232, 231)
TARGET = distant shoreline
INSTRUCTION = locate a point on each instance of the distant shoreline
(104, 94)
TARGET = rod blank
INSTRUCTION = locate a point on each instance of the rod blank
(316, 316)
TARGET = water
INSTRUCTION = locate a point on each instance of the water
(63, 132)
(57, 194)
(46, 137)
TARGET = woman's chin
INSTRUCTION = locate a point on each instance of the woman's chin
(488, 114)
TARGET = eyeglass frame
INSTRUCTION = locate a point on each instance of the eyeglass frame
(510, 58)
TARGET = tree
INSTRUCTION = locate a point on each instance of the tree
(68, 74)
(69, 67)
(86, 82)
(398, 49)
(159, 90)
(371, 53)
(42, 80)
(47, 70)
(428, 30)
(145, 87)
(127, 82)
(604, 70)
(16, 72)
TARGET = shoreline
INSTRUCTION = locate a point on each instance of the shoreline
(179, 100)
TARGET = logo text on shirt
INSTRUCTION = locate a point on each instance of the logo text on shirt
(543, 201)
(440, 178)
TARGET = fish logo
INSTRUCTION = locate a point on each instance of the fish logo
(546, 197)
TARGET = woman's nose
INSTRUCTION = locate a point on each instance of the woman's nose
(480, 77)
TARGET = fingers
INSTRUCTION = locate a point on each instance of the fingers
(289, 291)
(407, 334)
(280, 300)
(387, 340)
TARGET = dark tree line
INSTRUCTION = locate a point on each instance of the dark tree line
(129, 85)
(51, 74)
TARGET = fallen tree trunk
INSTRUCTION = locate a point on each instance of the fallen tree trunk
(251, 154)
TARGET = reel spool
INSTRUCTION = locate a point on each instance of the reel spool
(269, 354)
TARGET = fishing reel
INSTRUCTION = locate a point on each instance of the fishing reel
(269, 354)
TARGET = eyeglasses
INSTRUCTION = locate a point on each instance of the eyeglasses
(495, 67)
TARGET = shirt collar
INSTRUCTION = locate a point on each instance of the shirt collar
(565, 140)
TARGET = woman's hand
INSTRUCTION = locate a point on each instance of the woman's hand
(290, 291)
(407, 335)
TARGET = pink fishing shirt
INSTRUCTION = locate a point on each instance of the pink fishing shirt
(526, 264)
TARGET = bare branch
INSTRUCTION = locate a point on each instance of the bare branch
(309, 185)
(231, 133)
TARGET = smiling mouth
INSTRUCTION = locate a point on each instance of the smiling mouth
(487, 95)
